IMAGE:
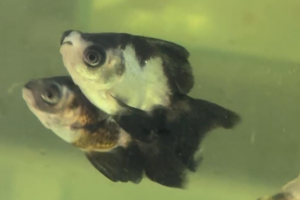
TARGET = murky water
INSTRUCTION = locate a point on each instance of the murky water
(245, 57)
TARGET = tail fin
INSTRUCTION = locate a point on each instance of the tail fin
(191, 119)
(213, 114)
(184, 123)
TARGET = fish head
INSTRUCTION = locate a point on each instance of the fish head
(93, 60)
(54, 101)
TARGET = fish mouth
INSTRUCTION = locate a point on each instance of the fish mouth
(64, 35)
(69, 37)
(28, 93)
(29, 85)
(28, 96)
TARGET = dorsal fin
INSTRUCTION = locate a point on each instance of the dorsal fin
(170, 46)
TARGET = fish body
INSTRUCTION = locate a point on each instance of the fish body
(141, 80)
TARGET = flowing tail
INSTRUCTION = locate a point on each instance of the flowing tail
(184, 124)
(194, 118)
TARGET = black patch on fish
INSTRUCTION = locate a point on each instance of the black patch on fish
(119, 165)
(185, 124)
(146, 48)
(108, 40)
(139, 124)
(175, 57)
(143, 50)
(179, 74)
(175, 62)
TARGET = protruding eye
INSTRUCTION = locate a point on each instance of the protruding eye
(51, 95)
(94, 56)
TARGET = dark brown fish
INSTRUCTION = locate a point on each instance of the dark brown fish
(61, 107)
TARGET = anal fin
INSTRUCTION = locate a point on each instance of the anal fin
(118, 165)
(163, 166)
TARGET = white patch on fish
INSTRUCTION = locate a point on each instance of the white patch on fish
(66, 133)
(143, 87)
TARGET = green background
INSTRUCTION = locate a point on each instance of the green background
(245, 57)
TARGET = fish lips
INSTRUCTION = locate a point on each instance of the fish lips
(28, 96)
(66, 34)
(30, 93)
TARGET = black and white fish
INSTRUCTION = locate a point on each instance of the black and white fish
(142, 81)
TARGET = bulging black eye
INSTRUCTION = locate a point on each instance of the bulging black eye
(94, 56)
(51, 94)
